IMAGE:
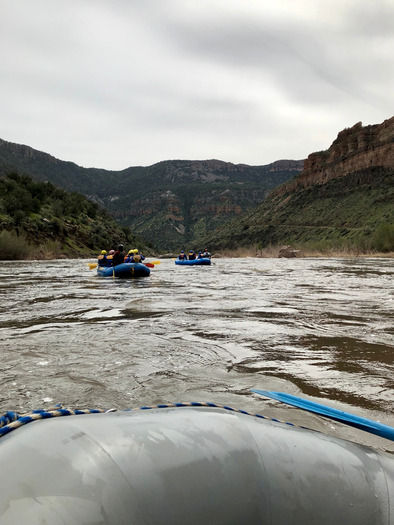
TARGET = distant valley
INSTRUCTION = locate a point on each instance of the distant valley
(170, 203)
(341, 198)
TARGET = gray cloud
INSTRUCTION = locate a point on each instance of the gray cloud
(114, 84)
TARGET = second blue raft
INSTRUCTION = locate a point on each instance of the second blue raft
(195, 262)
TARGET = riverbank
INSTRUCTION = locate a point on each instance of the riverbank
(15, 248)
(274, 252)
(224, 254)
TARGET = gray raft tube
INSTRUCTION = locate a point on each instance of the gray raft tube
(194, 466)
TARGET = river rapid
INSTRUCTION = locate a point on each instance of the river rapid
(316, 328)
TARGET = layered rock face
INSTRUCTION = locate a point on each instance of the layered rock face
(342, 200)
(208, 171)
(355, 149)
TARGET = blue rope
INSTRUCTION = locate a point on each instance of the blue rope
(8, 417)
(12, 420)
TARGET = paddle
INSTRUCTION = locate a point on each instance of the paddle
(149, 264)
(92, 266)
(362, 423)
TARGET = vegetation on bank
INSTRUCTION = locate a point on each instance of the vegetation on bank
(40, 221)
(351, 214)
(273, 252)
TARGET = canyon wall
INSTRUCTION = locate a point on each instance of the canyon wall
(355, 149)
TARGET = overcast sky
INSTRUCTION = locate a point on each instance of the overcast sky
(118, 83)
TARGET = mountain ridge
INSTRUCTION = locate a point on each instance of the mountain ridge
(168, 203)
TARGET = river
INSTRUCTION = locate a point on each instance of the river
(316, 328)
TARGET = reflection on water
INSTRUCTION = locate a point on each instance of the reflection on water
(311, 327)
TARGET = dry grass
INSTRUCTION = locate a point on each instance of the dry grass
(273, 251)
(345, 252)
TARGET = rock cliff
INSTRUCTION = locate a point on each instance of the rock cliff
(342, 200)
(355, 149)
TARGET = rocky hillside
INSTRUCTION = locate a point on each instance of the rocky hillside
(174, 202)
(343, 198)
(169, 203)
(40, 221)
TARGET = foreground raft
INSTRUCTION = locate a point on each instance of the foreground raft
(124, 270)
(189, 464)
(195, 262)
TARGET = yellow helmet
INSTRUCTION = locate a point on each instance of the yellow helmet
(134, 251)
(103, 252)
(130, 252)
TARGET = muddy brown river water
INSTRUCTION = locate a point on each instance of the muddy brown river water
(316, 328)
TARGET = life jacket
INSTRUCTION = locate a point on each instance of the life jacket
(102, 260)
(192, 256)
(182, 257)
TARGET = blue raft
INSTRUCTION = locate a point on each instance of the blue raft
(196, 262)
(124, 271)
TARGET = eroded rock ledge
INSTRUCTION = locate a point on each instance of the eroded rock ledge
(355, 149)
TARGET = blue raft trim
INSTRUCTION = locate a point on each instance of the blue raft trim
(194, 262)
(124, 270)
(12, 420)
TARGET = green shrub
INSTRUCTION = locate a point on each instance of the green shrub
(12, 246)
(382, 239)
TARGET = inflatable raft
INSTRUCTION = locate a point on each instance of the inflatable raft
(125, 270)
(188, 463)
(195, 262)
